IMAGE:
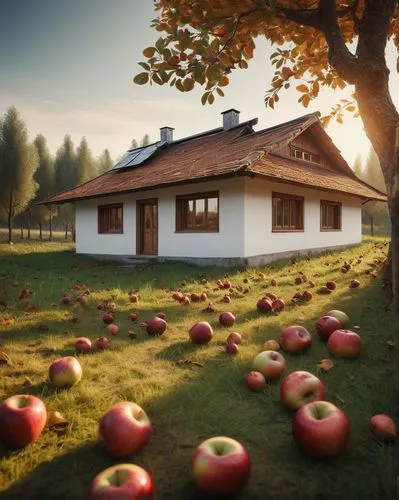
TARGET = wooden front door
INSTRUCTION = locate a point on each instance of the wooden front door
(147, 227)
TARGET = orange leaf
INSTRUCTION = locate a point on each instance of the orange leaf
(302, 88)
(56, 420)
(325, 365)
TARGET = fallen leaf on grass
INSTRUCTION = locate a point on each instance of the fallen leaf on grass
(325, 365)
(5, 359)
(271, 345)
(56, 421)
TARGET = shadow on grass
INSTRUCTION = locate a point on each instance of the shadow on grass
(216, 402)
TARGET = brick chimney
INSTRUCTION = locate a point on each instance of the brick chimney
(231, 119)
(166, 134)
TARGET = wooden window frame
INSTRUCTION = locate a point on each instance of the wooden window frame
(100, 208)
(181, 225)
(335, 204)
(300, 154)
(285, 196)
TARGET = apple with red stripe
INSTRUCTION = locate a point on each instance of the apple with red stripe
(321, 429)
(345, 344)
(22, 419)
(221, 466)
(122, 482)
(124, 429)
(295, 339)
(299, 388)
(383, 427)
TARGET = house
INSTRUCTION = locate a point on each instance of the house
(230, 196)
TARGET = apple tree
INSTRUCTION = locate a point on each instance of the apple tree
(319, 43)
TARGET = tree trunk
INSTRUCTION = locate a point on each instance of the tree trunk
(371, 225)
(29, 223)
(50, 225)
(40, 231)
(73, 232)
(66, 231)
(9, 228)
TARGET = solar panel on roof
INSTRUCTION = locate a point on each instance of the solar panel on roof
(138, 156)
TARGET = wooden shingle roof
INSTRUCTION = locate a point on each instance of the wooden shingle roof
(221, 154)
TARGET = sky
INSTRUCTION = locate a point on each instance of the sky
(68, 67)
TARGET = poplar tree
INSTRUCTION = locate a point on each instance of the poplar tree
(18, 163)
(105, 162)
(86, 166)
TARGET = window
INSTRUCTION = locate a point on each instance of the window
(304, 155)
(330, 215)
(287, 212)
(110, 219)
(198, 212)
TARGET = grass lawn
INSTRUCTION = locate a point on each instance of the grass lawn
(189, 402)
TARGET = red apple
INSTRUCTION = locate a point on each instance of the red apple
(194, 297)
(273, 282)
(221, 466)
(232, 349)
(298, 280)
(270, 363)
(133, 299)
(331, 285)
(22, 419)
(384, 427)
(278, 305)
(307, 295)
(156, 326)
(201, 333)
(345, 343)
(177, 296)
(100, 307)
(83, 301)
(320, 429)
(65, 300)
(132, 335)
(134, 316)
(161, 315)
(203, 296)
(256, 381)
(234, 337)
(102, 343)
(113, 329)
(295, 339)
(264, 305)
(341, 317)
(326, 325)
(299, 388)
(83, 345)
(65, 372)
(108, 318)
(354, 284)
(271, 296)
(122, 482)
(227, 319)
(124, 429)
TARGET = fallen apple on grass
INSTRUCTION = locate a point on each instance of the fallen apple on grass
(122, 482)
(221, 466)
(102, 343)
(227, 319)
(299, 388)
(255, 381)
(345, 344)
(320, 429)
(156, 326)
(113, 329)
(383, 427)
(264, 305)
(270, 363)
(134, 316)
(278, 305)
(201, 333)
(342, 317)
(234, 337)
(65, 372)
(22, 419)
(83, 345)
(124, 429)
(108, 318)
(326, 325)
(232, 349)
(331, 285)
(295, 339)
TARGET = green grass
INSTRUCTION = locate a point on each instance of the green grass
(188, 403)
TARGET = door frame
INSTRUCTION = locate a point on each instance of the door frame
(140, 227)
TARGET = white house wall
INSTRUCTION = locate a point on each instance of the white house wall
(228, 242)
(259, 238)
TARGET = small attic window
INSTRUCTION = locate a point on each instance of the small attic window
(301, 154)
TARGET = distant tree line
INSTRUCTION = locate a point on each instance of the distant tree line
(374, 213)
(29, 174)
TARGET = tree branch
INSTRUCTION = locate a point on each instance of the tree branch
(309, 17)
